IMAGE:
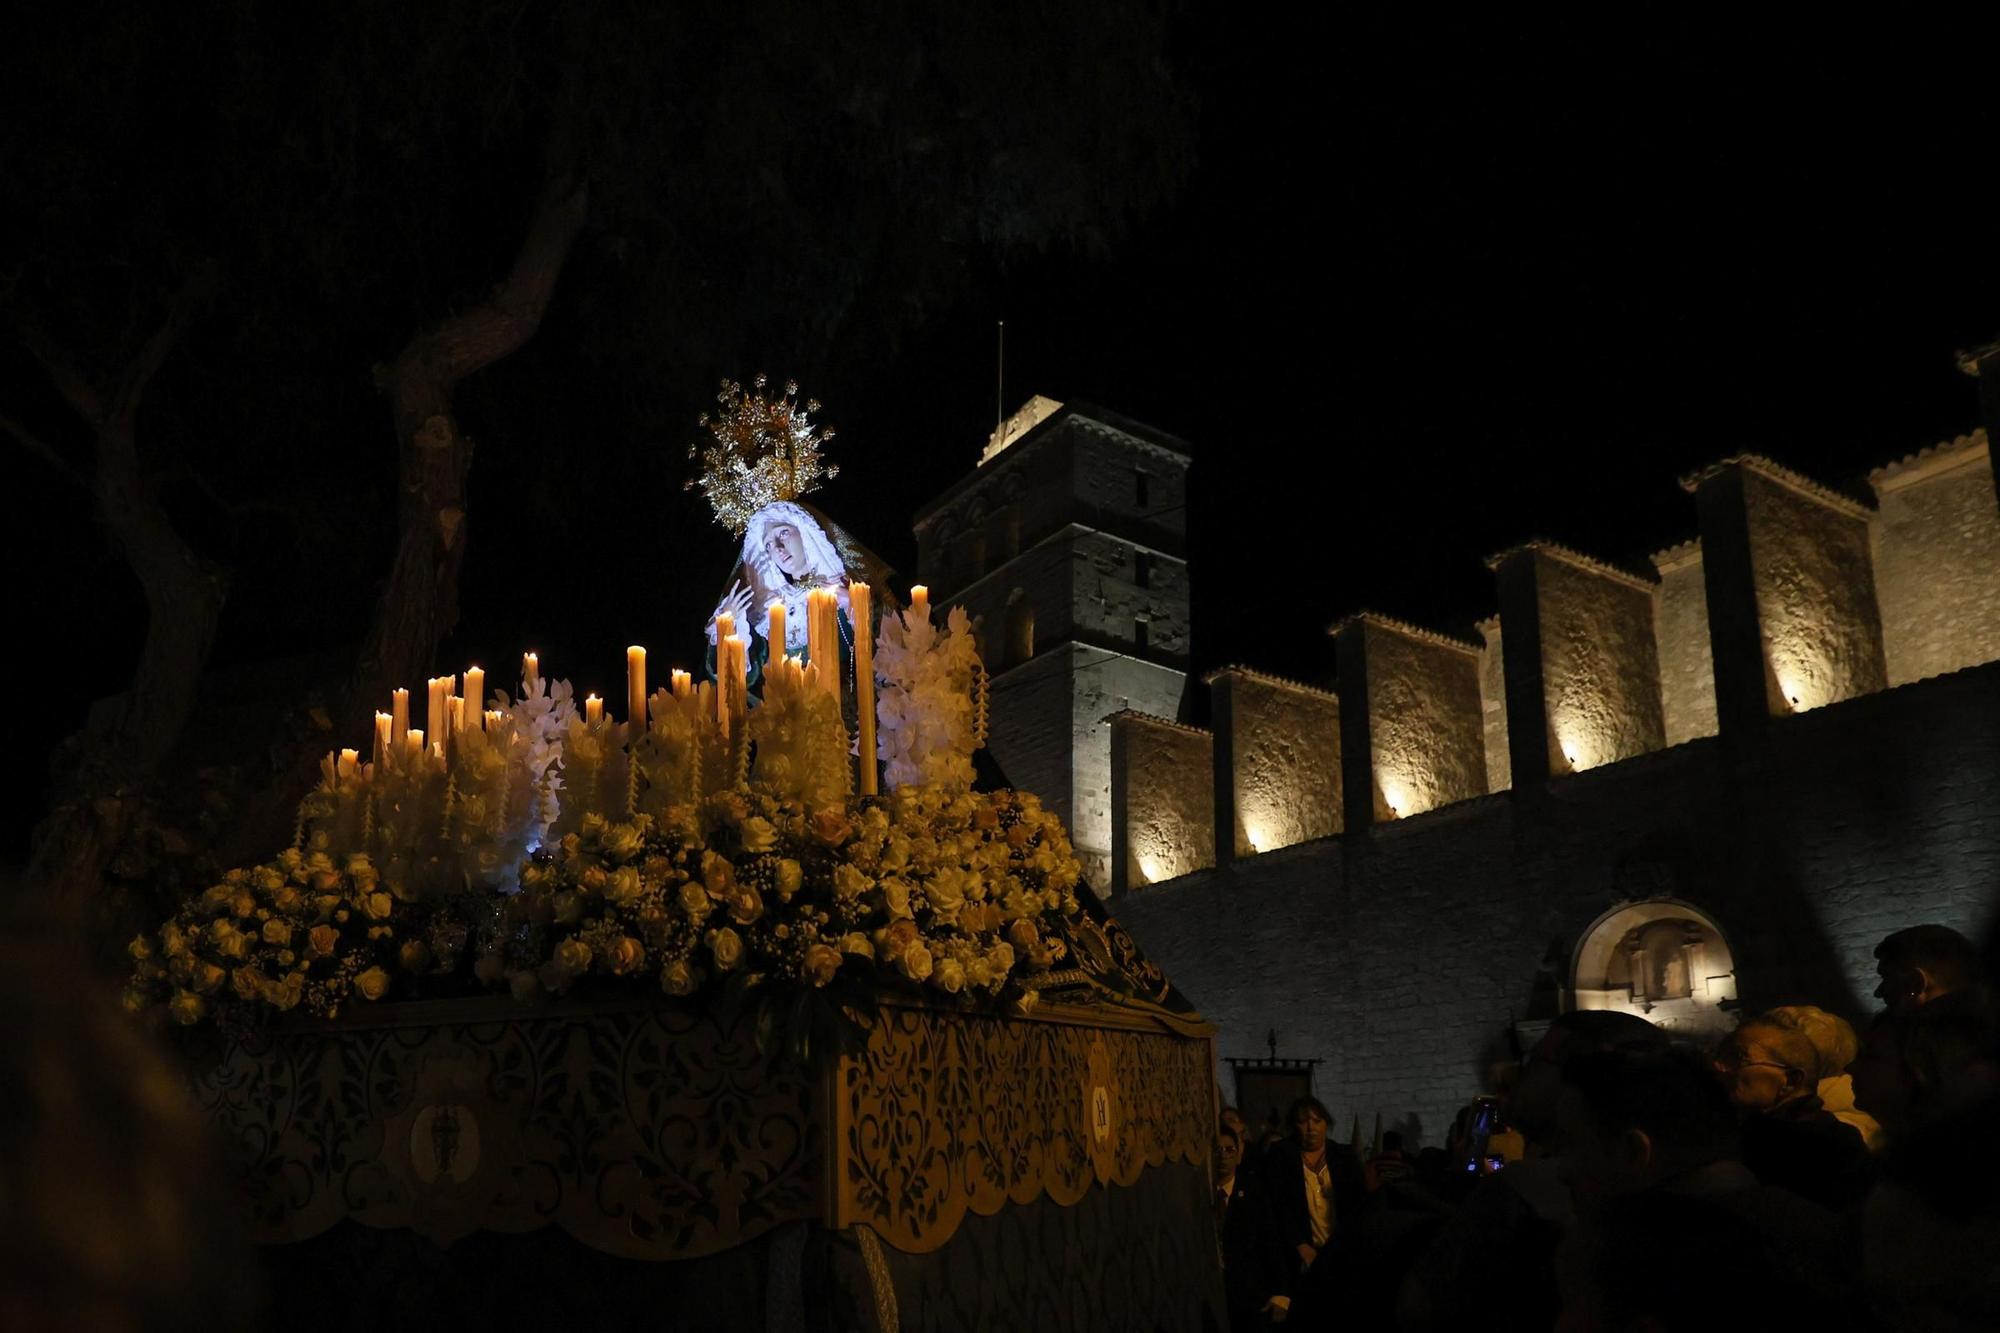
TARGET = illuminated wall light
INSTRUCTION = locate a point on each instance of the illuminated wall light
(1150, 870)
(1256, 835)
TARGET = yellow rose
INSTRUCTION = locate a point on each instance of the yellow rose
(759, 834)
(278, 931)
(625, 956)
(946, 892)
(949, 976)
(320, 940)
(622, 842)
(247, 982)
(219, 898)
(896, 895)
(717, 875)
(567, 908)
(267, 879)
(286, 994)
(624, 886)
(372, 984)
(227, 940)
(894, 938)
(414, 956)
(915, 962)
(857, 943)
(790, 876)
(695, 900)
(849, 883)
(679, 978)
(573, 957)
(594, 879)
(187, 1007)
(378, 906)
(173, 940)
(141, 948)
(821, 963)
(830, 826)
(592, 826)
(979, 971)
(727, 948)
(746, 905)
(533, 875)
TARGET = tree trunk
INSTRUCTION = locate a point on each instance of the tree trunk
(419, 602)
(184, 596)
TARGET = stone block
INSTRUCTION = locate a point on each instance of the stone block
(1412, 732)
(1937, 559)
(1278, 760)
(1162, 801)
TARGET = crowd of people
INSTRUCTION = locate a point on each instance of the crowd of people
(1794, 1175)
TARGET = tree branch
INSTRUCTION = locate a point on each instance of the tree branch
(71, 383)
(480, 336)
(46, 452)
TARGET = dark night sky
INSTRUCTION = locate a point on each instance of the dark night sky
(1433, 292)
(1430, 291)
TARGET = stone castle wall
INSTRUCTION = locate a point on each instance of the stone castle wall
(1937, 543)
(1724, 737)
(1687, 669)
(1285, 781)
(1162, 788)
(1404, 956)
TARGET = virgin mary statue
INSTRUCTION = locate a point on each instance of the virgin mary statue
(790, 549)
(763, 453)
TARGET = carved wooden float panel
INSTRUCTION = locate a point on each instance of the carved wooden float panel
(652, 1133)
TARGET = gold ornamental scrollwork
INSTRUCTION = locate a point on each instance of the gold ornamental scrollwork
(946, 1113)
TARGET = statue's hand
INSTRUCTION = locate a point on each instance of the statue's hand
(735, 602)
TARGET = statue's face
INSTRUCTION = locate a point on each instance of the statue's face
(787, 551)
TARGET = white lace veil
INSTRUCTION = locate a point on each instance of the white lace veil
(823, 565)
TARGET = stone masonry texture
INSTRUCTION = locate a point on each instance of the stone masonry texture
(1937, 561)
(1403, 954)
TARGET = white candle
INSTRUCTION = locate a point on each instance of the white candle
(414, 745)
(349, 766)
(399, 727)
(434, 706)
(725, 625)
(920, 601)
(593, 709)
(732, 693)
(860, 605)
(493, 716)
(531, 672)
(475, 688)
(683, 683)
(635, 690)
(383, 724)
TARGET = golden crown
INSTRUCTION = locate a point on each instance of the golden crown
(763, 449)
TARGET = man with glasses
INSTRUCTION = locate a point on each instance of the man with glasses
(1789, 1139)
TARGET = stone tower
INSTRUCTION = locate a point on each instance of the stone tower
(1068, 544)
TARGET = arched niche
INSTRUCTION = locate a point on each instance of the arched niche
(1664, 960)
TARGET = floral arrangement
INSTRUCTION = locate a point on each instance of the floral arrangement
(702, 845)
(804, 912)
(932, 706)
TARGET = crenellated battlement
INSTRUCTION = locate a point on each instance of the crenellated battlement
(1792, 596)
